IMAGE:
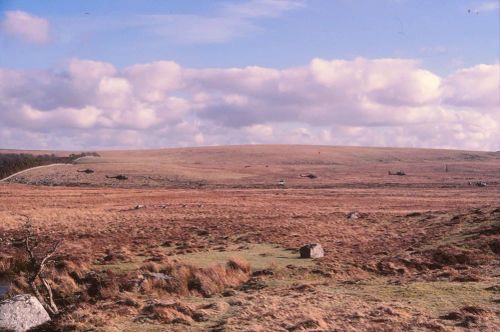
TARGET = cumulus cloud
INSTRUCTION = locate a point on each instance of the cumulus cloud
(390, 102)
(26, 27)
(478, 86)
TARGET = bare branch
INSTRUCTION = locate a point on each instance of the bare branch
(37, 265)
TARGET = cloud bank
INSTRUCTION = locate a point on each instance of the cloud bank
(384, 102)
(24, 26)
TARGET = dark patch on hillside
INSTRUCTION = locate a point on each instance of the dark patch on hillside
(11, 163)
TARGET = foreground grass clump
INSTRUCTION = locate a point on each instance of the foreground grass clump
(93, 298)
(185, 279)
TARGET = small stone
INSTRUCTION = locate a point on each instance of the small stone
(312, 250)
(353, 215)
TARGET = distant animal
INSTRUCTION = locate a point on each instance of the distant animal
(118, 177)
(308, 175)
(88, 171)
(400, 173)
(281, 182)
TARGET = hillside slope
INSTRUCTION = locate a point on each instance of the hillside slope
(262, 166)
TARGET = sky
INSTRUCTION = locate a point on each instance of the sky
(102, 74)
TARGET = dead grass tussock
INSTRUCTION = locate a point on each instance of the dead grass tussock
(236, 263)
(175, 312)
(184, 279)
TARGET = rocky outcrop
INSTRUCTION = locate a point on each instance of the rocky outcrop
(21, 313)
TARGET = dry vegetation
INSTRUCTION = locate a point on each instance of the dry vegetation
(204, 239)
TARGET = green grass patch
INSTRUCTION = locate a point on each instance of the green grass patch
(260, 256)
(436, 298)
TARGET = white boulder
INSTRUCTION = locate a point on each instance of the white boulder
(21, 313)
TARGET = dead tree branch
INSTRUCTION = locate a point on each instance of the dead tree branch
(37, 262)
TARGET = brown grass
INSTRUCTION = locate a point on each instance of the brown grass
(185, 279)
(426, 242)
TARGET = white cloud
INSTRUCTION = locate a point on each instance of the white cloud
(261, 8)
(392, 102)
(227, 23)
(488, 6)
(478, 86)
(25, 26)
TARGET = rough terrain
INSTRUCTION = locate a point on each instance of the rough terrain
(421, 253)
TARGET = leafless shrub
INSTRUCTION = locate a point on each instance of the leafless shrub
(33, 260)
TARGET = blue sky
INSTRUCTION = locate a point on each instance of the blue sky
(146, 73)
(443, 34)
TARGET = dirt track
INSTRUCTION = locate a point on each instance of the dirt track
(29, 170)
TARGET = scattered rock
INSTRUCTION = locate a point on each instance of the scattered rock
(166, 244)
(235, 302)
(265, 272)
(21, 313)
(118, 177)
(413, 214)
(354, 215)
(312, 250)
(399, 173)
(157, 275)
(229, 292)
(139, 206)
(308, 175)
(86, 171)
(478, 183)
(321, 273)
(307, 324)
(253, 284)
(454, 315)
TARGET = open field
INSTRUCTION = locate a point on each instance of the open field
(262, 167)
(423, 255)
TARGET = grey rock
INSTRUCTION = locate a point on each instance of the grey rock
(312, 250)
(21, 313)
(158, 276)
(353, 215)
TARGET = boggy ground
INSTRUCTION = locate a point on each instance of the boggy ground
(424, 254)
